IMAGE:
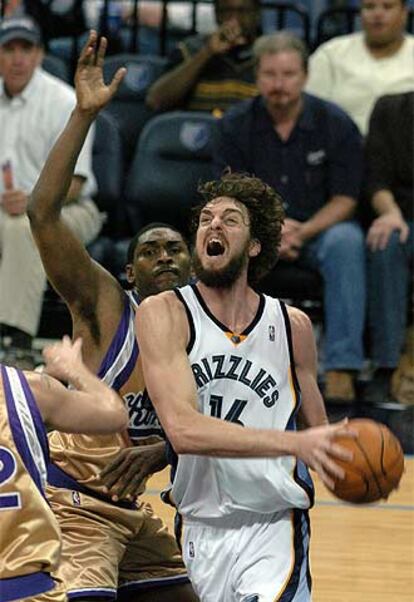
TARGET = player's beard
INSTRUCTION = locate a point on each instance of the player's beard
(224, 277)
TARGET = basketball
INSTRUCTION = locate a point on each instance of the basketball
(377, 465)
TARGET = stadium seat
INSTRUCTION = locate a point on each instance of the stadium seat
(293, 16)
(128, 106)
(173, 154)
(57, 67)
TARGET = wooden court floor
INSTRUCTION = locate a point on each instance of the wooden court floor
(358, 553)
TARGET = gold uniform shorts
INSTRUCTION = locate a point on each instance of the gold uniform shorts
(106, 548)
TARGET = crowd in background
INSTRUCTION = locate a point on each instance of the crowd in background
(332, 134)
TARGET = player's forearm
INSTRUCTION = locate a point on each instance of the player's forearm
(339, 208)
(172, 87)
(55, 179)
(203, 435)
(383, 201)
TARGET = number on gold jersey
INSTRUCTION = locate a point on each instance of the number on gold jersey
(8, 468)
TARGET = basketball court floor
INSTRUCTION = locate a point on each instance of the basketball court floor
(358, 553)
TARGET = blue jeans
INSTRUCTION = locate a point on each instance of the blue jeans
(338, 254)
(389, 281)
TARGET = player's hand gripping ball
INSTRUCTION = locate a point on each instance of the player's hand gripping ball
(377, 465)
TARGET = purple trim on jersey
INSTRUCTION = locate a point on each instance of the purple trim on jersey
(115, 347)
(149, 584)
(126, 372)
(18, 432)
(16, 588)
(110, 594)
(37, 418)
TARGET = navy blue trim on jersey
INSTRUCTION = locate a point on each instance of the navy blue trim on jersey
(16, 588)
(18, 432)
(222, 326)
(189, 319)
(60, 479)
(301, 529)
(291, 354)
(303, 478)
(301, 473)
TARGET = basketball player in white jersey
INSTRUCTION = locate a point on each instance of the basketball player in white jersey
(30, 535)
(128, 550)
(229, 371)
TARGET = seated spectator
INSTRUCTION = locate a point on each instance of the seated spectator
(34, 107)
(354, 70)
(390, 239)
(210, 73)
(310, 151)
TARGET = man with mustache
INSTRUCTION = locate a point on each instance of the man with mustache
(311, 152)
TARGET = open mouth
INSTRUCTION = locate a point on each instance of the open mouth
(215, 247)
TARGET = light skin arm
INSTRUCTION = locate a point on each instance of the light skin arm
(162, 332)
(93, 408)
(389, 219)
(172, 87)
(313, 411)
(70, 269)
(295, 234)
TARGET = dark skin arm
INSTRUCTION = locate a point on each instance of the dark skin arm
(125, 476)
(93, 296)
(172, 87)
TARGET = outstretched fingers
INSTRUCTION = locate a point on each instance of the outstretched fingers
(87, 55)
(116, 80)
(100, 54)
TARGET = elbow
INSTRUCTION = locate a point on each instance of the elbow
(120, 420)
(37, 215)
(182, 437)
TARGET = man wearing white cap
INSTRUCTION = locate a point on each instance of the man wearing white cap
(34, 107)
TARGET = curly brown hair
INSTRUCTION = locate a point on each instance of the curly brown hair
(266, 214)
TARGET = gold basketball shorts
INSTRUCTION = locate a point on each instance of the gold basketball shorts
(106, 547)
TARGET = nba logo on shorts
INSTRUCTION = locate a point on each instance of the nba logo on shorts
(76, 498)
(191, 552)
(271, 332)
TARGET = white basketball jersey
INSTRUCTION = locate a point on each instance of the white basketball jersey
(248, 379)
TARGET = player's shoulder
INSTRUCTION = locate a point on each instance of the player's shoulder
(166, 301)
(299, 321)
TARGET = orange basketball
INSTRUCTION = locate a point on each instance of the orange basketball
(377, 465)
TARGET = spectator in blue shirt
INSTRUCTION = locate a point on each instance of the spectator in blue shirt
(310, 151)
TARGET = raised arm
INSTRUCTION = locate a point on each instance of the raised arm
(69, 267)
(162, 329)
(91, 407)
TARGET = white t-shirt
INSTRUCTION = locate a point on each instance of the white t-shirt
(31, 122)
(343, 71)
